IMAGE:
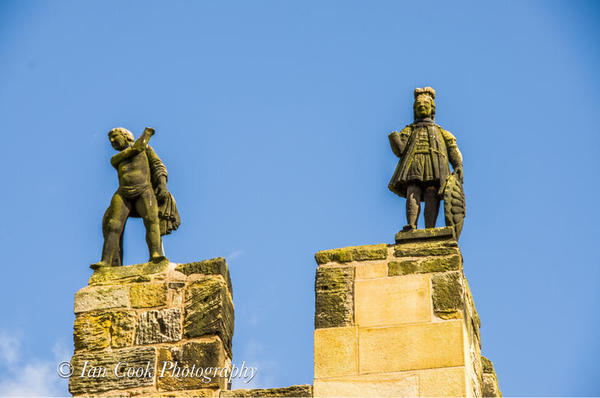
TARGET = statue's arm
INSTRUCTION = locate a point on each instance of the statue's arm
(138, 146)
(157, 167)
(454, 155)
(158, 172)
(124, 155)
(398, 141)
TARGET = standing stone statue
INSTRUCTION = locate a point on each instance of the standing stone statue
(423, 172)
(142, 193)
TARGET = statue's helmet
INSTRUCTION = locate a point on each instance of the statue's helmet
(429, 93)
(121, 130)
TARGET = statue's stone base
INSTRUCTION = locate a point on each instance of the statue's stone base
(398, 320)
(425, 234)
(141, 317)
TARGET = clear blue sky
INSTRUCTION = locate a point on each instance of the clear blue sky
(272, 118)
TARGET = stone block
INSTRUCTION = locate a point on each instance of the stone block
(443, 382)
(122, 328)
(214, 266)
(91, 331)
(448, 295)
(127, 273)
(334, 295)
(471, 307)
(148, 295)
(159, 326)
(390, 301)
(472, 318)
(371, 269)
(425, 234)
(98, 370)
(304, 390)
(377, 385)
(176, 293)
(209, 310)
(200, 358)
(424, 265)
(427, 249)
(440, 264)
(97, 330)
(489, 385)
(411, 347)
(93, 298)
(489, 382)
(336, 352)
(403, 267)
(352, 253)
(487, 365)
(202, 393)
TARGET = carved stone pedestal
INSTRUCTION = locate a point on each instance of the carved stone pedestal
(397, 320)
(155, 330)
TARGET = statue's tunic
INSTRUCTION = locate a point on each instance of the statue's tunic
(421, 167)
(424, 149)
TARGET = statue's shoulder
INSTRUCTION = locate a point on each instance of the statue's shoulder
(150, 152)
(446, 134)
(406, 130)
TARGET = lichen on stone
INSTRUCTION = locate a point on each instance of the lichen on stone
(423, 249)
(352, 253)
(448, 295)
(127, 273)
(209, 310)
(147, 295)
(213, 266)
(334, 297)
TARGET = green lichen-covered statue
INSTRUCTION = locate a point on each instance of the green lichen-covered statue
(142, 193)
(423, 172)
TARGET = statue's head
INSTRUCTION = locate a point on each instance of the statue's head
(120, 138)
(424, 105)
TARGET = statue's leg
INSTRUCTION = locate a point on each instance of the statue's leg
(413, 206)
(112, 226)
(147, 207)
(432, 206)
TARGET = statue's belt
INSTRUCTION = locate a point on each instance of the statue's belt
(429, 152)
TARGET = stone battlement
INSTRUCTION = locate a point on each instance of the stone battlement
(390, 320)
(398, 320)
(145, 315)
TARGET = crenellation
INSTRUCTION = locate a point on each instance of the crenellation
(143, 314)
(352, 253)
(415, 329)
(390, 320)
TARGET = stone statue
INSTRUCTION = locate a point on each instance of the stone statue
(142, 193)
(423, 173)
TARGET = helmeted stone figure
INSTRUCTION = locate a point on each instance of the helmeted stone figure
(423, 173)
(142, 193)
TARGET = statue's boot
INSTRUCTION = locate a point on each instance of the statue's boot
(159, 256)
(99, 265)
(155, 244)
(158, 259)
(110, 249)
